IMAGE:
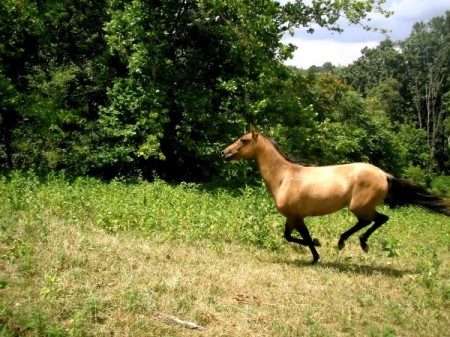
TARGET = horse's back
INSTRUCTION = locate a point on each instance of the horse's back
(346, 175)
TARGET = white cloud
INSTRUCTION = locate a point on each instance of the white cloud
(343, 49)
(317, 52)
(414, 10)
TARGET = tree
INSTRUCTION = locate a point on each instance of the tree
(389, 99)
(352, 128)
(428, 53)
(19, 29)
(9, 101)
(409, 80)
(375, 66)
(112, 87)
(53, 57)
(327, 67)
(194, 70)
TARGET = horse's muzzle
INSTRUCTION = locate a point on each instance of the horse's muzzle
(227, 155)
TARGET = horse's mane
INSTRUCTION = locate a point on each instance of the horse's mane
(288, 157)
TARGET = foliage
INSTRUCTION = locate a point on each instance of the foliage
(428, 53)
(338, 126)
(55, 60)
(441, 185)
(410, 78)
(390, 100)
(375, 66)
(144, 89)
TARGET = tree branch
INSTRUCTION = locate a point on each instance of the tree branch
(186, 324)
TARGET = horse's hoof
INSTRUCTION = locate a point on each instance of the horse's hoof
(364, 246)
(341, 244)
(316, 243)
(315, 260)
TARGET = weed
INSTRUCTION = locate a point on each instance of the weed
(389, 332)
(392, 246)
(50, 289)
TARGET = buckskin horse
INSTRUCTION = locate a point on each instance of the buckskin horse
(300, 191)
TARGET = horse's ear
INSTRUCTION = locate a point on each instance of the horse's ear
(254, 132)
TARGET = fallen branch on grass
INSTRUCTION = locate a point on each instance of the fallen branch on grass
(186, 324)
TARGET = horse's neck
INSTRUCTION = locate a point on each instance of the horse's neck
(272, 166)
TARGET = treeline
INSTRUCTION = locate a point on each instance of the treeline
(145, 88)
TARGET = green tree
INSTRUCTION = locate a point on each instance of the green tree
(9, 102)
(409, 80)
(124, 86)
(353, 129)
(375, 66)
(389, 99)
(53, 56)
(428, 53)
(19, 29)
(324, 122)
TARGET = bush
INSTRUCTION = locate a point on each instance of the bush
(441, 185)
(417, 175)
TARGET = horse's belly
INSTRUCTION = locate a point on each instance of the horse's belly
(321, 206)
(314, 202)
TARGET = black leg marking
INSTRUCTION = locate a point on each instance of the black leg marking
(306, 238)
(288, 236)
(304, 232)
(359, 225)
(380, 219)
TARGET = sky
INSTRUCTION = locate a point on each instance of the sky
(345, 48)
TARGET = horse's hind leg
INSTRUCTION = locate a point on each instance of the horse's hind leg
(380, 219)
(344, 236)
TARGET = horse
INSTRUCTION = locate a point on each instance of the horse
(301, 191)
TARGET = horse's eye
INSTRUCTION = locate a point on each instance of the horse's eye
(244, 141)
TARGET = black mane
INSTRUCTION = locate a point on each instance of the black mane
(283, 154)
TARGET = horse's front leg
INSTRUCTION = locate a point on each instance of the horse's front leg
(300, 226)
(288, 236)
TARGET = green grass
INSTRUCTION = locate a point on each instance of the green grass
(88, 258)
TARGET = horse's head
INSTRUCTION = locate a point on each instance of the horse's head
(243, 148)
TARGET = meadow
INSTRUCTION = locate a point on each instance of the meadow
(84, 257)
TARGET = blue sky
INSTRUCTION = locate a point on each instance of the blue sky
(342, 49)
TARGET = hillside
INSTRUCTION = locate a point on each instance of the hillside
(65, 275)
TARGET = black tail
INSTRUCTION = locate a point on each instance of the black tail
(402, 192)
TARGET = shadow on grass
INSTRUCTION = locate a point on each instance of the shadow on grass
(353, 268)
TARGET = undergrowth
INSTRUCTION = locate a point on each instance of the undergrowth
(185, 212)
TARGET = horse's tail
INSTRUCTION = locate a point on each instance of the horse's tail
(402, 192)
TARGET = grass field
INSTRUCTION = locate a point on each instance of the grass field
(87, 258)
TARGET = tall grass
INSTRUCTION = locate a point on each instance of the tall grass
(87, 258)
(186, 211)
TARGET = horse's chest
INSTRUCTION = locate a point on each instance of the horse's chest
(288, 202)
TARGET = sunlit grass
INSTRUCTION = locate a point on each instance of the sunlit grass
(87, 258)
